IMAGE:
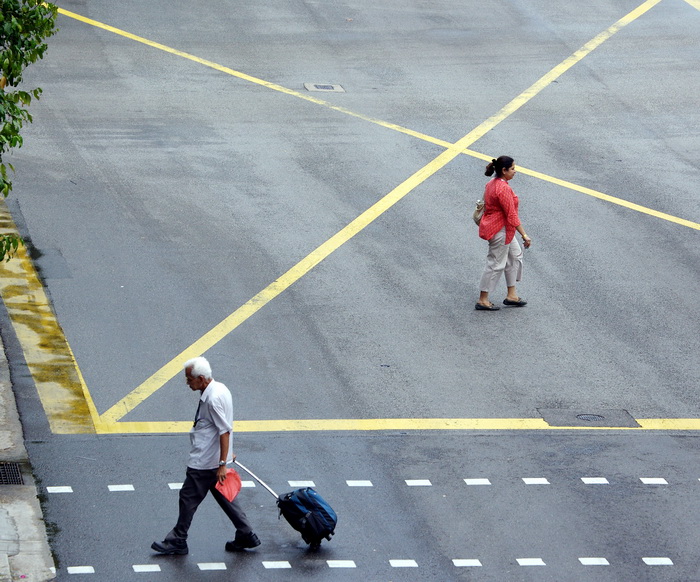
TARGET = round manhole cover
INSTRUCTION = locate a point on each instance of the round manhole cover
(590, 417)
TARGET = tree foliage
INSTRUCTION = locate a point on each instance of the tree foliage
(24, 27)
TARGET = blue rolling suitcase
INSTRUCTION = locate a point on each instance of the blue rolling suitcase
(305, 510)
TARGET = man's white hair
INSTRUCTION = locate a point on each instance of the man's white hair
(200, 367)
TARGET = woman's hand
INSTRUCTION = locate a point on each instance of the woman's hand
(527, 241)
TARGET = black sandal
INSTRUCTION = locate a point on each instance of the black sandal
(480, 307)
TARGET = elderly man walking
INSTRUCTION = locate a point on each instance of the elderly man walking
(210, 439)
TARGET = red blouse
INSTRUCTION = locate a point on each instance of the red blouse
(500, 209)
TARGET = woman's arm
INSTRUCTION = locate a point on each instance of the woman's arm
(527, 241)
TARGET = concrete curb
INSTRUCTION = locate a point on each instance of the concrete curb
(24, 549)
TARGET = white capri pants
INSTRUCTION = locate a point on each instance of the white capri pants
(502, 258)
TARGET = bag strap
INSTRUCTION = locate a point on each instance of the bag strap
(258, 479)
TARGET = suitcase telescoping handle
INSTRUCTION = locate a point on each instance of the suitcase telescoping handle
(258, 479)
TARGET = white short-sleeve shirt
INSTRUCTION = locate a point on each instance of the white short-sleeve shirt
(215, 417)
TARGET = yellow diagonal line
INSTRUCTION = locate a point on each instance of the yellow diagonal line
(513, 106)
(252, 79)
(169, 370)
(611, 199)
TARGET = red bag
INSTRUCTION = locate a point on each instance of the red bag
(231, 485)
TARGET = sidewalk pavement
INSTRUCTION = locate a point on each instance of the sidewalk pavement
(24, 549)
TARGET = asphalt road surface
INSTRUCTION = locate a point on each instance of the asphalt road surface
(183, 192)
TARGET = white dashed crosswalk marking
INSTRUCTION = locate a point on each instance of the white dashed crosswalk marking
(403, 563)
(467, 563)
(359, 483)
(658, 561)
(531, 562)
(146, 568)
(120, 487)
(395, 563)
(341, 564)
(653, 481)
(594, 561)
(81, 570)
(212, 566)
(276, 565)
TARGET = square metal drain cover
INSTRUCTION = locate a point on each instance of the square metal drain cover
(328, 87)
(609, 418)
(10, 474)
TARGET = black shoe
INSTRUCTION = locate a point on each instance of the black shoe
(519, 303)
(167, 547)
(491, 307)
(243, 543)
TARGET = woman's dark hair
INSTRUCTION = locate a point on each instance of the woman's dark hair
(502, 163)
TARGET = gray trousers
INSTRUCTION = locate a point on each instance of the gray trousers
(195, 488)
(502, 258)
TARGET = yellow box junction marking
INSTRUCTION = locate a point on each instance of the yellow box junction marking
(109, 421)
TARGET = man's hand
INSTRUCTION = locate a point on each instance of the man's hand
(221, 473)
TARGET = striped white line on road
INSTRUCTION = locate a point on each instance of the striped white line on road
(531, 562)
(59, 489)
(466, 563)
(418, 482)
(247, 483)
(658, 561)
(81, 570)
(359, 483)
(477, 482)
(175, 485)
(276, 565)
(212, 566)
(146, 568)
(403, 563)
(341, 564)
(595, 480)
(594, 561)
(120, 487)
(301, 484)
(653, 481)
(535, 481)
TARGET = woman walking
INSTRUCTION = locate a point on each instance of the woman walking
(498, 226)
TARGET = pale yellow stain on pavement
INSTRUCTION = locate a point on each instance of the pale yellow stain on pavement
(62, 390)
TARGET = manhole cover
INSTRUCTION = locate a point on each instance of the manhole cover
(10, 474)
(328, 87)
(602, 418)
(590, 417)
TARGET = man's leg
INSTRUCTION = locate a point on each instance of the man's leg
(193, 492)
(245, 538)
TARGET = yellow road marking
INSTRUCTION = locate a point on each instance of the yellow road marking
(107, 423)
(394, 424)
(66, 400)
(612, 199)
(252, 79)
(169, 370)
(510, 108)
